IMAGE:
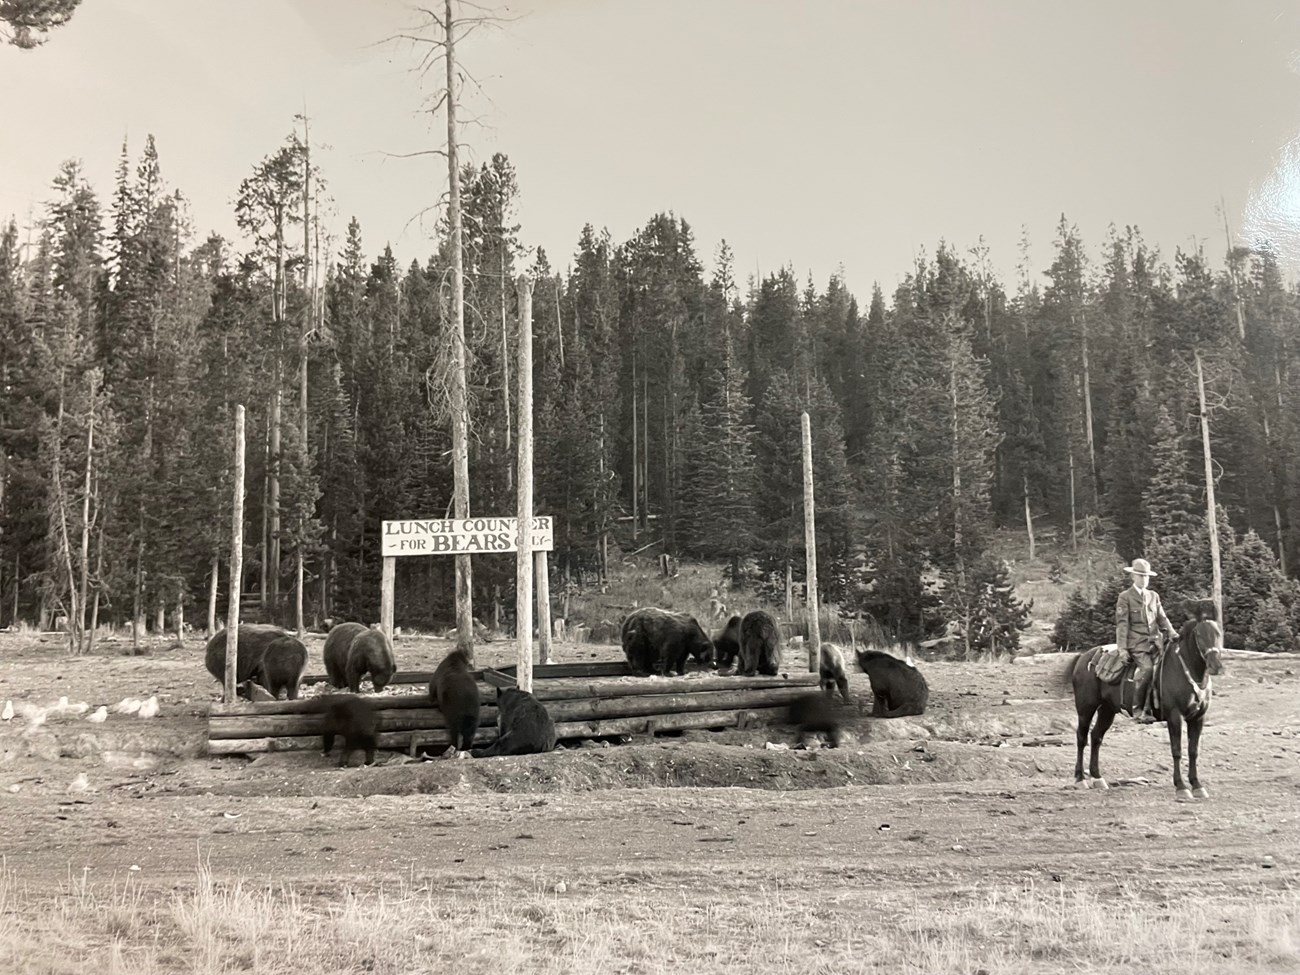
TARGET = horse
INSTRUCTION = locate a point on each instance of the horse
(1182, 693)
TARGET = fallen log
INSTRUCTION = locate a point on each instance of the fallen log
(302, 743)
(648, 724)
(280, 725)
(661, 686)
(636, 705)
(306, 705)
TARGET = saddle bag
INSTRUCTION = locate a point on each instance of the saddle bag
(1110, 664)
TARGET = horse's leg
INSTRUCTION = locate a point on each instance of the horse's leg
(1081, 736)
(1194, 726)
(1175, 719)
(1105, 715)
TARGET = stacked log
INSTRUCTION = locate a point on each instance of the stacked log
(580, 707)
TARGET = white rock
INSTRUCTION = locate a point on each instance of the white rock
(149, 709)
(8, 712)
(100, 715)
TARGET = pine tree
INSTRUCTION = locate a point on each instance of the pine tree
(1172, 507)
(26, 22)
(1088, 622)
(990, 614)
(719, 472)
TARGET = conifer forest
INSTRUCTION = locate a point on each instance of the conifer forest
(667, 412)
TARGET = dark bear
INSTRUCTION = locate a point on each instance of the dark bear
(284, 661)
(656, 641)
(337, 643)
(832, 671)
(353, 718)
(353, 650)
(253, 641)
(524, 726)
(813, 714)
(760, 645)
(726, 645)
(897, 687)
(454, 692)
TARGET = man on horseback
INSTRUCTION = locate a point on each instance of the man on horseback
(1139, 619)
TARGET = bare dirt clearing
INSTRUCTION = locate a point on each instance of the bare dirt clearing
(913, 818)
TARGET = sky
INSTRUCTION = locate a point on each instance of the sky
(848, 135)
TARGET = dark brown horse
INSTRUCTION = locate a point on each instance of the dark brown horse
(1182, 693)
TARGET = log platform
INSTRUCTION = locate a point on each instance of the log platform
(586, 700)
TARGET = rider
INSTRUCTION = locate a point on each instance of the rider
(1139, 618)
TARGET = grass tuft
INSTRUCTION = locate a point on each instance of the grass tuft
(797, 927)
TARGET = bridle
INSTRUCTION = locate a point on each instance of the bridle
(1200, 691)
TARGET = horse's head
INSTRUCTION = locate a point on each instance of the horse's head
(1207, 639)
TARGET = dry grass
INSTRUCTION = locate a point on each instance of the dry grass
(641, 924)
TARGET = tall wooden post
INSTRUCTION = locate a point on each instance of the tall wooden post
(459, 405)
(387, 583)
(524, 490)
(810, 547)
(1211, 515)
(236, 560)
(542, 569)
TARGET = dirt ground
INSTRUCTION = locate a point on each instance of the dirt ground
(977, 792)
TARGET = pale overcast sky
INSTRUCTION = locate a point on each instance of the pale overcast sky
(818, 133)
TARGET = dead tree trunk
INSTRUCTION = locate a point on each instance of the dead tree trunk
(1029, 518)
(85, 526)
(1211, 514)
(1087, 405)
(212, 595)
(99, 572)
(303, 340)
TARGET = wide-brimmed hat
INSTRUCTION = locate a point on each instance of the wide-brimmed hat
(1140, 567)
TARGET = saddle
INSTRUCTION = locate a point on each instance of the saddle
(1117, 667)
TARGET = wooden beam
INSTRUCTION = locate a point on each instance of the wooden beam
(641, 724)
(302, 743)
(594, 708)
(605, 668)
(653, 687)
(309, 705)
(647, 724)
(236, 561)
(281, 725)
(387, 587)
(810, 550)
(524, 489)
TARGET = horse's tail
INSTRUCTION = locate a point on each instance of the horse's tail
(1065, 679)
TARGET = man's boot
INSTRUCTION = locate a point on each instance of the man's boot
(1142, 709)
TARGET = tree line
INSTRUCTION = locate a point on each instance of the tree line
(667, 405)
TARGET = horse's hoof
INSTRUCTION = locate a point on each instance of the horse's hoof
(1099, 784)
(1200, 792)
(1184, 795)
(1081, 783)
